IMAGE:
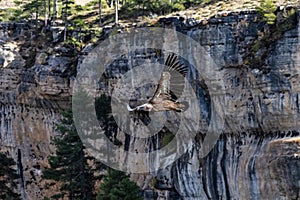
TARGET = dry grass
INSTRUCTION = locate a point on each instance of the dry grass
(206, 11)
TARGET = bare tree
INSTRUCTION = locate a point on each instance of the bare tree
(116, 12)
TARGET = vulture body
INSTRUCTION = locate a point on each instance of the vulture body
(169, 88)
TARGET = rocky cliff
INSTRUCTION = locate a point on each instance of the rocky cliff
(34, 88)
(257, 155)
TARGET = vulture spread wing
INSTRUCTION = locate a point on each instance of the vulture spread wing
(172, 81)
(169, 88)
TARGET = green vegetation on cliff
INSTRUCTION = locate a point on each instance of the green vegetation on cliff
(8, 178)
(116, 185)
(277, 23)
(102, 12)
(83, 24)
(74, 171)
(69, 166)
(267, 8)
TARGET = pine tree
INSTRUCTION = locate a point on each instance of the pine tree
(8, 178)
(54, 13)
(69, 166)
(267, 9)
(66, 12)
(116, 185)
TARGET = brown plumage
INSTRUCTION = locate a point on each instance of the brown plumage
(168, 90)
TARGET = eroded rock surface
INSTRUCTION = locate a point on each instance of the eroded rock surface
(30, 101)
(257, 155)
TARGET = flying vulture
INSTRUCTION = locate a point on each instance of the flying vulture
(169, 89)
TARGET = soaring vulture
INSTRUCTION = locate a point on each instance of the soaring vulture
(169, 89)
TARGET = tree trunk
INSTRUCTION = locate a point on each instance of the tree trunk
(143, 9)
(49, 11)
(66, 20)
(46, 13)
(49, 7)
(100, 12)
(117, 12)
(36, 17)
(54, 11)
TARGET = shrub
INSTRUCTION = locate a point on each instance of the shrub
(267, 9)
(117, 185)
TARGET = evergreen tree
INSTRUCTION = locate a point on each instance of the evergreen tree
(66, 12)
(8, 178)
(10, 14)
(36, 9)
(267, 9)
(54, 12)
(69, 166)
(116, 185)
(101, 4)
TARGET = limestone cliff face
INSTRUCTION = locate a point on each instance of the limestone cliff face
(31, 96)
(257, 155)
